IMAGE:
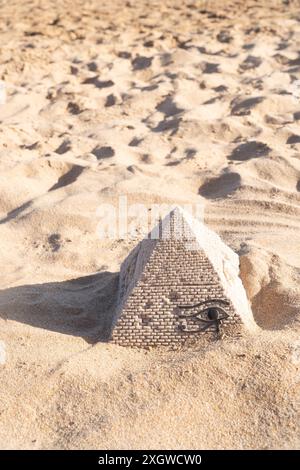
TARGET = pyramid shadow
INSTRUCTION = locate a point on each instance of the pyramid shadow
(79, 307)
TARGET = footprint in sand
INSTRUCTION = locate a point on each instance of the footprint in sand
(293, 139)
(98, 83)
(103, 152)
(297, 116)
(248, 46)
(242, 107)
(64, 147)
(210, 67)
(224, 37)
(248, 150)
(190, 153)
(74, 108)
(68, 178)
(92, 66)
(149, 43)
(220, 186)
(135, 142)
(141, 63)
(110, 100)
(220, 88)
(168, 107)
(251, 62)
(168, 125)
(124, 55)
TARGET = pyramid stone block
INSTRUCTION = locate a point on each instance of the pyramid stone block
(181, 281)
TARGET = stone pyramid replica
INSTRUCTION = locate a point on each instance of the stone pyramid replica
(179, 281)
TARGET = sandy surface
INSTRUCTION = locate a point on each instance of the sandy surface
(173, 101)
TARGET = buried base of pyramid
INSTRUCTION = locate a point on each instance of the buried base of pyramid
(180, 283)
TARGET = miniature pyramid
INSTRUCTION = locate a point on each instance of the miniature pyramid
(179, 281)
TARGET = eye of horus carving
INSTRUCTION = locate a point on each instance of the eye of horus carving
(205, 315)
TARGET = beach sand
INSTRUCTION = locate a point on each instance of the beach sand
(164, 102)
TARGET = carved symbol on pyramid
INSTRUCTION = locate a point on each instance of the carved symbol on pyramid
(209, 313)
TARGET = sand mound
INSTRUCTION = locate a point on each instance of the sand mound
(272, 287)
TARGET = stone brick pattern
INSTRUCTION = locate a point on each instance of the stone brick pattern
(157, 278)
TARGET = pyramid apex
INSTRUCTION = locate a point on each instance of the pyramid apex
(178, 210)
(178, 223)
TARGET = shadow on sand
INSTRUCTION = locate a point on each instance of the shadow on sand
(79, 307)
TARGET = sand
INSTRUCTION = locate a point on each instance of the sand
(165, 102)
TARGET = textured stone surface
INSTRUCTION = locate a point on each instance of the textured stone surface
(181, 263)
